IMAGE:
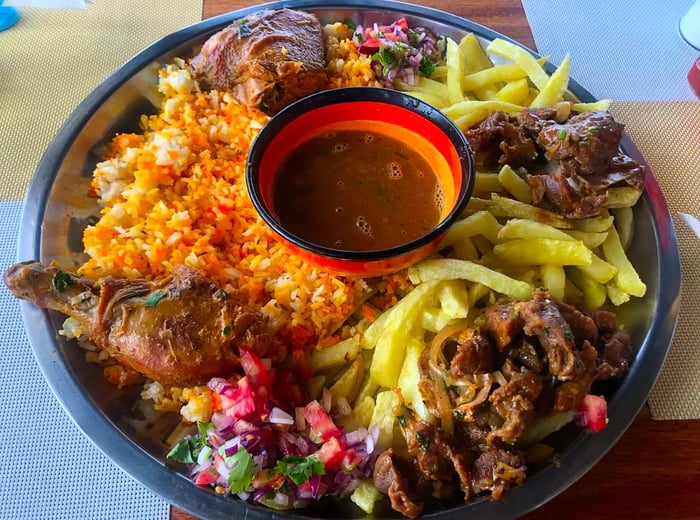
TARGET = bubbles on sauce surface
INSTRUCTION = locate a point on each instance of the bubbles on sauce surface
(368, 138)
(339, 210)
(341, 147)
(395, 171)
(364, 226)
(440, 198)
(420, 174)
(330, 135)
(338, 244)
(340, 184)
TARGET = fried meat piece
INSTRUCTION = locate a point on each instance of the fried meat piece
(266, 60)
(179, 330)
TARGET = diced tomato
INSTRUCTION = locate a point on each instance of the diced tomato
(239, 401)
(595, 410)
(321, 424)
(299, 336)
(350, 460)
(205, 477)
(258, 375)
(331, 454)
(369, 46)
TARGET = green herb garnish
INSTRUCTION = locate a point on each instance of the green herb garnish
(203, 428)
(423, 441)
(562, 134)
(61, 281)
(386, 59)
(402, 420)
(221, 294)
(300, 469)
(154, 298)
(226, 330)
(185, 450)
(243, 469)
(350, 24)
(426, 67)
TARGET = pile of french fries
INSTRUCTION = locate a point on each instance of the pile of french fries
(469, 86)
(502, 248)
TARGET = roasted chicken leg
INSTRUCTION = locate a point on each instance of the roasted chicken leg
(179, 330)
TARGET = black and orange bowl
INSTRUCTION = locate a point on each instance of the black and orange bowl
(395, 114)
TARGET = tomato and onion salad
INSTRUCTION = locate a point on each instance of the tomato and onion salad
(256, 449)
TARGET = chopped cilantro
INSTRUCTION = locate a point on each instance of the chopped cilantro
(402, 420)
(154, 298)
(562, 134)
(221, 294)
(350, 24)
(413, 37)
(203, 428)
(426, 67)
(244, 31)
(185, 450)
(300, 469)
(226, 330)
(243, 469)
(61, 280)
(459, 415)
(386, 59)
(569, 335)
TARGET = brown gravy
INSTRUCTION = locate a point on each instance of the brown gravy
(357, 190)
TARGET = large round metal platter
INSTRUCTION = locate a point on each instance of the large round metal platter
(136, 438)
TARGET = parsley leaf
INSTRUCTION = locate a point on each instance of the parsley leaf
(61, 280)
(185, 450)
(203, 428)
(351, 25)
(243, 469)
(386, 58)
(300, 469)
(426, 67)
(244, 31)
(154, 298)
(562, 134)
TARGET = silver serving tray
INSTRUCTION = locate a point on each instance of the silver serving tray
(136, 438)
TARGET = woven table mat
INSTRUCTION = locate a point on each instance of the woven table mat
(53, 58)
(667, 135)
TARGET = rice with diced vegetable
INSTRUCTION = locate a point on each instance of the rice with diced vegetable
(177, 194)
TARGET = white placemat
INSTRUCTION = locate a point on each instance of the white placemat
(627, 50)
(48, 468)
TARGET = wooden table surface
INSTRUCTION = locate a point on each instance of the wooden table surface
(653, 472)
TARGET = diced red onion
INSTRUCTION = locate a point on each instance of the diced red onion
(222, 423)
(326, 400)
(261, 460)
(279, 416)
(356, 437)
(581, 418)
(344, 408)
(242, 426)
(222, 469)
(230, 447)
(201, 466)
(305, 446)
(219, 384)
(281, 499)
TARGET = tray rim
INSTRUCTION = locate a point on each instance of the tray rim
(586, 451)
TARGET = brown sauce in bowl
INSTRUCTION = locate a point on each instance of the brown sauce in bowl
(357, 190)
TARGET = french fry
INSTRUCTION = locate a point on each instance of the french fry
(410, 377)
(428, 97)
(514, 184)
(599, 270)
(426, 85)
(553, 92)
(391, 345)
(616, 295)
(473, 57)
(625, 197)
(477, 291)
(434, 319)
(514, 92)
(572, 294)
(539, 251)
(480, 223)
(453, 298)
(371, 335)
(523, 228)
(495, 76)
(626, 278)
(360, 416)
(336, 355)
(465, 250)
(471, 119)
(383, 416)
(486, 183)
(454, 72)
(368, 388)
(594, 293)
(554, 279)
(590, 239)
(348, 384)
(450, 269)
(315, 386)
(464, 107)
(365, 496)
(624, 223)
(510, 208)
(596, 224)
(602, 104)
(523, 58)
(542, 427)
